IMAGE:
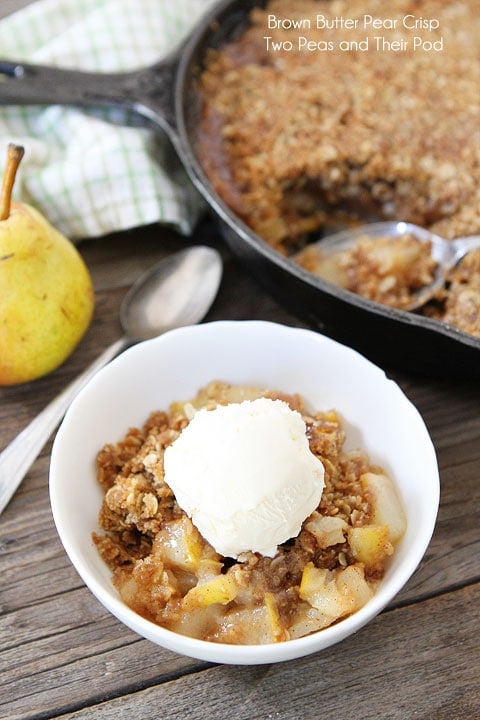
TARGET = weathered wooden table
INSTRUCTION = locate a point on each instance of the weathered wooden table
(62, 655)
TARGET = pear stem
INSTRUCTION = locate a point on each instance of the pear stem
(14, 155)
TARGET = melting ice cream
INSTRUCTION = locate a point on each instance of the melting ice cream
(245, 475)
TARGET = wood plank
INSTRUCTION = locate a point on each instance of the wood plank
(400, 664)
(53, 622)
(131, 259)
(79, 665)
(454, 549)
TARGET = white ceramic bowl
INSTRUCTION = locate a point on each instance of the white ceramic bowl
(377, 415)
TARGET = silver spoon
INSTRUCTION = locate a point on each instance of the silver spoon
(446, 253)
(177, 291)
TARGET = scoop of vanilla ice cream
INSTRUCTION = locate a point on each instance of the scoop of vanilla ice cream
(245, 475)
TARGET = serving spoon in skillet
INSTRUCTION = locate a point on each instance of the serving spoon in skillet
(446, 253)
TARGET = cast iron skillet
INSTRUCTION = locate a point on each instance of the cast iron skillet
(166, 95)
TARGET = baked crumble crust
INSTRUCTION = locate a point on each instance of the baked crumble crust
(290, 138)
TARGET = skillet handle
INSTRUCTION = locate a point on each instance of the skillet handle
(147, 92)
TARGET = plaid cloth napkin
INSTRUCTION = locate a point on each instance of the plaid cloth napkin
(88, 176)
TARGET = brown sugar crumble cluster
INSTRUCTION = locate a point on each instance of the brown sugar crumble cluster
(294, 141)
(167, 572)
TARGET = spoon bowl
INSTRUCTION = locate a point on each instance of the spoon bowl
(446, 253)
(176, 292)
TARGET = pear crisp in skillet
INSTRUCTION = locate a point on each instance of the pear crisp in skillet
(301, 138)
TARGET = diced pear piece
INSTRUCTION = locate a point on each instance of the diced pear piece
(352, 584)
(334, 594)
(208, 569)
(318, 588)
(221, 590)
(308, 619)
(273, 617)
(328, 266)
(254, 625)
(195, 622)
(386, 504)
(371, 546)
(128, 591)
(180, 545)
(327, 529)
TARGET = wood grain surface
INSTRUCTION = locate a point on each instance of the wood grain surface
(62, 655)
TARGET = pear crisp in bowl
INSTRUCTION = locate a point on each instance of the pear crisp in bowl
(254, 519)
(165, 570)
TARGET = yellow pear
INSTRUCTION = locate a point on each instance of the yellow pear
(46, 294)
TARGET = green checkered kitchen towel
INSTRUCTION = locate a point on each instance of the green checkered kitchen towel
(89, 176)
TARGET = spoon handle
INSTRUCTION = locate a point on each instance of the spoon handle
(20, 454)
(464, 245)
